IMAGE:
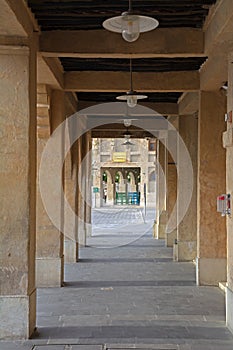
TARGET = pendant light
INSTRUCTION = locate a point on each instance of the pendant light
(130, 24)
(127, 134)
(127, 143)
(131, 96)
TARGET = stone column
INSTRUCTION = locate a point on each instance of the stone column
(70, 240)
(161, 214)
(211, 181)
(170, 237)
(172, 144)
(49, 249)
(88, 168)
(81, 190)
(228, 144)
(186, 247)
(17, 191)
(96, 173)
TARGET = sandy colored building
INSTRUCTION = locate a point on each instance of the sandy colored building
(56, 60)
(124, 172)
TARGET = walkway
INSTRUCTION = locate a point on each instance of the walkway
(130, 296)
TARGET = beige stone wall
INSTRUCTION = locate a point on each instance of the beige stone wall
(171, 180)
(137, 155)
(17, 191)
(161, 188)
(171, 201)
(49, 239)
(211, 175)
(83, 188)
(211, 227)
(228, 143)
(187, 229)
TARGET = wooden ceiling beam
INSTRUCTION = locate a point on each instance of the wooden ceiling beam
(219, 27)
(89, 81)
(163, 108)
(162, 42)
(50, 72)
(16, 19)
(188, 104)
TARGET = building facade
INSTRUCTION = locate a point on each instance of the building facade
(125, 173)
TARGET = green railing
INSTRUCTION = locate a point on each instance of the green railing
(130, 198)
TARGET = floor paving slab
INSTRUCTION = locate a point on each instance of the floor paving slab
(129, 295)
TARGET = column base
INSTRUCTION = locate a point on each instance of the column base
(175, 252)
(155, 232)
(186, 250)
(170, 238)
(82, 240)
(49, 272)
(70, 251)
(161, 231)
(229, 308)
(18, 316)
(161, 225)
(210, 272)
(88, 228)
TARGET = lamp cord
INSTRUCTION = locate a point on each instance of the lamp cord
(130, 5)
(131, 75)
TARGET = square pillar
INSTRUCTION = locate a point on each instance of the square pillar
(70, 239)
(17, 191)
(172, 144)
(171, 200)
(186, 247)
(228, 145)
(161, 214)
(211, 181)
(88, 168)
(81, 191)
(49, 239)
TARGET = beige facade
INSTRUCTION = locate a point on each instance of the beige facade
(37, 95)
(111, 156)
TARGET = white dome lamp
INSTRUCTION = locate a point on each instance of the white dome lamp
(130, 25)
(131, 96)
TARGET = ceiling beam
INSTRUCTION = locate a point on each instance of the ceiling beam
(163, 108)
(50, 72)
(214, 72)
(218, 45)
(16, 19)
(87, 81)
(114, 133)
(189, 103)
(219, 27)
(162, 42)
(71, 103)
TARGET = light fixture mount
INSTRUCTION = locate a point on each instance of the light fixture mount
(130, 24)
(131, 96)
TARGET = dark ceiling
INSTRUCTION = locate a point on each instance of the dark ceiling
(111, 96)
(138, 65)
(89, 15)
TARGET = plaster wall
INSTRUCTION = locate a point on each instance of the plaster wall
(17, 191)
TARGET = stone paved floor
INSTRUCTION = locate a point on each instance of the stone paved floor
(127, 297)
(110, 223)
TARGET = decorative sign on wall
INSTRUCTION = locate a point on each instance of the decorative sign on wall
(119, 157)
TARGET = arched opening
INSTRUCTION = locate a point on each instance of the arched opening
(120, 188)
(107, 188)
